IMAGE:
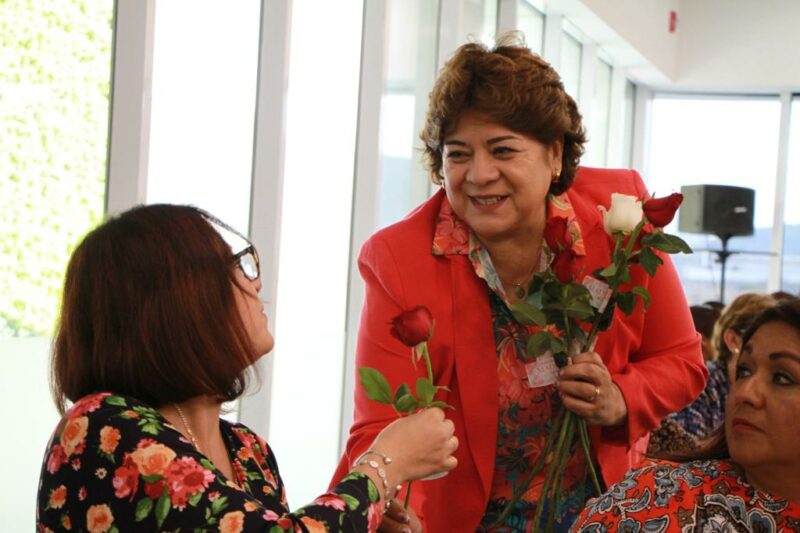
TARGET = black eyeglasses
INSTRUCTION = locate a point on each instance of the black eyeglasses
(247, 261)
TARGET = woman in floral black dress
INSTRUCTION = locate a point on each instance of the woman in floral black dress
(159, 324)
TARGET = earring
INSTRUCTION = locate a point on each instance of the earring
(556, 174)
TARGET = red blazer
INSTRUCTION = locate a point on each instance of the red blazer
(653, 357)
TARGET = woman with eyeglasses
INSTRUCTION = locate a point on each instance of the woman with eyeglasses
(159, 324)
(747, 476)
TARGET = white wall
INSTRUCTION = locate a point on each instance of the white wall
(742, 45)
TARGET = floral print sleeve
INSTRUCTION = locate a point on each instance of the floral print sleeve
(115, 464)
(685, 497)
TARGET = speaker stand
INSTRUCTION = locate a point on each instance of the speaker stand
(722, 259)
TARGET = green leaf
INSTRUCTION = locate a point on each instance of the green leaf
(162, 508)
(643, 293)
(218, 505)
(116, 400)
(539, 343)
(279, 529)
(561, 359)
(609, 271)
(207, 464)
(113, 529)
(580, 310)
(650, 261)
(626, 301)
(372, 492)
(425, 390)
(375, 385)
(679, 244)
(671, 244)
(401, 391)
(441, 404)
(352, 503)
(527, 314)
(151, 427)
(194, 499)
(406, 403)
(143, 508)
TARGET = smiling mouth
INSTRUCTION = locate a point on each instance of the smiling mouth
(487, 200)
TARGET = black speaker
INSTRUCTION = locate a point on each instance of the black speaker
(722, 210)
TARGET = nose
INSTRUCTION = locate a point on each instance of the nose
(749, 391)
(483, 169)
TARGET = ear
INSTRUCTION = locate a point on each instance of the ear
(732, 340)
(556, 153)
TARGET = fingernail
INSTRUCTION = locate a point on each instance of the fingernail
(405, 529)
(404, 518)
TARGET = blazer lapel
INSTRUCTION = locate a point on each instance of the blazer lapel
(476, 365)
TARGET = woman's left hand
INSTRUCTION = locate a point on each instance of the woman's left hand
(587, 390)
(399, 520)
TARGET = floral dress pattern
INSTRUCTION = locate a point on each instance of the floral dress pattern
(687, 497)
(525, 413)
(114, 464)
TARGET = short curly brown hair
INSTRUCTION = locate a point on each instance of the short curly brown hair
(514, 87)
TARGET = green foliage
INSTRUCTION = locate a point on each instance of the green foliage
(54, 97)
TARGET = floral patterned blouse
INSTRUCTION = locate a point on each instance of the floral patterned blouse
(526, 412)
(685, 497)
(115, 465)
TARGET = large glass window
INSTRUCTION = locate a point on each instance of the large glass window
(628, 123)
(203, 106)
(315, 243)
(531, 23)
(570, 64)
(478, 20)
(55, 71)
(597, 147)
(791, 220)
(718, 141)
(410, 74)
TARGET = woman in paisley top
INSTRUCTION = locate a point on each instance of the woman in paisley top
(159, 324)
(747, 478)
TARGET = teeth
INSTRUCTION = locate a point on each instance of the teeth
(488, 201)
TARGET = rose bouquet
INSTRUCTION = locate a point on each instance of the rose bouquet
(570, 309)
(414, 328)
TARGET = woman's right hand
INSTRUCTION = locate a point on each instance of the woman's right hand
(419, 445)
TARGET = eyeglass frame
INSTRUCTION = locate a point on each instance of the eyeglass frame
(237, 259)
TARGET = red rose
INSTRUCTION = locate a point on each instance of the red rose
(565, 266)
(155, 489)
(661, 211)
(413, 326)
(557, 235)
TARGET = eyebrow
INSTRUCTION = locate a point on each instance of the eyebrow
(784, 355)
(493, 140)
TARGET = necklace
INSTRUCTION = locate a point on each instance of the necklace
(192, 438)
(520, 289)
(187, 428)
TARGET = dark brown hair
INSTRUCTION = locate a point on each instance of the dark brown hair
(148, 311)
(514, 87)
(716, 446)
(738, 315)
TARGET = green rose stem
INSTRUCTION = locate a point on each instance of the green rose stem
(422, 349)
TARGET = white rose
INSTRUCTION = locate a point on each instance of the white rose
(625, 213)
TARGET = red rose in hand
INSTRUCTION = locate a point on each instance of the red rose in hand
(557, 235)
(413, 326)
(565, 266)
(661, 211)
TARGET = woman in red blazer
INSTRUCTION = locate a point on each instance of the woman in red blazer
(504, 139)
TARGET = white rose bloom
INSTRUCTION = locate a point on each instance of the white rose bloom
(625, 213)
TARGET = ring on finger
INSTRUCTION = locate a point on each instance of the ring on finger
(596, 394)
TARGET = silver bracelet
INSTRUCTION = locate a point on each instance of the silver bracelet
(387, 491)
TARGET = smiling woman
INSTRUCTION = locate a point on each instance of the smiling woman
(756, 458)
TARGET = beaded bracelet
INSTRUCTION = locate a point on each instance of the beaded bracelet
(362, 460)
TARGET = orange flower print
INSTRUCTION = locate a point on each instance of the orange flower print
(58, 497)
(153, 459)
(66, 523)
(99, 518)
(250, 506)
(109, 438)
(232, 522)
(73, 434)
(314, 526)
(186, 478)
(88, 404)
